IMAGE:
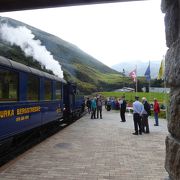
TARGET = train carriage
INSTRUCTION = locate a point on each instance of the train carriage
(29, 98)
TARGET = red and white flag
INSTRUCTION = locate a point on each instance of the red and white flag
(132, 74)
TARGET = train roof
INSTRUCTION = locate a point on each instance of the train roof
(15, 65)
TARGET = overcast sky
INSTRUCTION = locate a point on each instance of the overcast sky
(111, 33)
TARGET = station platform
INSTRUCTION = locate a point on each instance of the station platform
(94, 149)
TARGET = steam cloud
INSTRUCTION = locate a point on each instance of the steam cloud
(23, 37)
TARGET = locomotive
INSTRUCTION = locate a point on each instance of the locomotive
(30, 98)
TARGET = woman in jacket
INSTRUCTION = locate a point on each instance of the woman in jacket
(156, 112)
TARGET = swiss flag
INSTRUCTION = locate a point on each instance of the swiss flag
(132, 74)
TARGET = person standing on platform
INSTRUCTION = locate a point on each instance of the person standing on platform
(156, 112)
(93, 108)
(88, 104)
(99, 107)
(137, 111)
(122, 105)
(145, 114)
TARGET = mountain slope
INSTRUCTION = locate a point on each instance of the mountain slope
(77, 66)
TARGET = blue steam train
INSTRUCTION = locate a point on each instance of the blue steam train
(30, 98)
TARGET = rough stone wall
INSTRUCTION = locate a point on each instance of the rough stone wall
(171, 8)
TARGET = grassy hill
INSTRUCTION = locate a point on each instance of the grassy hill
(90, 74)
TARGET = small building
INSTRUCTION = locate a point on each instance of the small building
(125, 89)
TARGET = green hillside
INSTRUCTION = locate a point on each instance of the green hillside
(90, 74)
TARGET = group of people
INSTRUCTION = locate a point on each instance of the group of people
(141, 112)
(95, 107)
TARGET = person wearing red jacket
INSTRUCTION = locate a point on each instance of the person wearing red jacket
(156, 112)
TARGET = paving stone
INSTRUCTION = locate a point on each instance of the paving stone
(98, 149)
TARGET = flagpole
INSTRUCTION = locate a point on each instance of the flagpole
(136, 80)
(147, 74)
(161, 76)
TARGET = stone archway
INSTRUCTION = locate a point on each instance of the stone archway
(172, 27)
(172, 73)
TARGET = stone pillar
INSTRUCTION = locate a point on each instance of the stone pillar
(172, 74)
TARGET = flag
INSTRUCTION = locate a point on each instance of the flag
(132, 74)
(161, 71)
(147, 74)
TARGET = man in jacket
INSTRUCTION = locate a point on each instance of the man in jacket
(122, 105)
(88, 104)
(99, 107)
(137, 111)
(146, 112)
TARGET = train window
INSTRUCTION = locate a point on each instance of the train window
(8, 85)
(33, 88)
(47, 88)
(58, 90)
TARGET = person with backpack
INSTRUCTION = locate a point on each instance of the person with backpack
(146, 112)
(93, 108)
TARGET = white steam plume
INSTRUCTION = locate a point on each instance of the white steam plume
(23, 37)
